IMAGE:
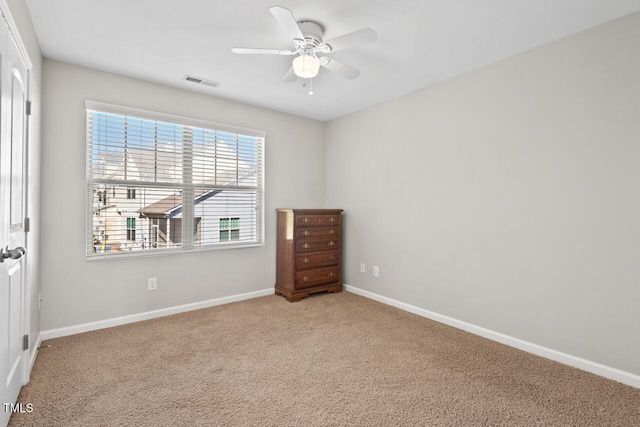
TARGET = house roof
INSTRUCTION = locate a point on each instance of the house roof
(172, 205)
(162, 207)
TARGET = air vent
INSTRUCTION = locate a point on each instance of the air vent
(201, 81)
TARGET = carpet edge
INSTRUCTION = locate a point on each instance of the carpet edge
(147, 315)
(599, 369)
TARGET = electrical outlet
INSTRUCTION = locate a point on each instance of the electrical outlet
(152, 284)
(376, 271)
(362, 267)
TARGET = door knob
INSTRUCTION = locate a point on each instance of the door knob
(11, 253)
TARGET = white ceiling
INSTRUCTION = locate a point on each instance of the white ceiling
(420, 42)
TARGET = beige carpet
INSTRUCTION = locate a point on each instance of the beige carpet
(329, 360)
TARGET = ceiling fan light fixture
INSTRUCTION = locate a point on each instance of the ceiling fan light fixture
(306, 66)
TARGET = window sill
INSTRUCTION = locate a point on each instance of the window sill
(124, 255)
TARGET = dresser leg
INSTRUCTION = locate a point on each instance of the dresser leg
(298, 296)
(291, 296)
(335, 289)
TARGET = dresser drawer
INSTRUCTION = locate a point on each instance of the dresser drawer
(317, 259)
(310, 245)
(321, 232)
(309, 278)
(315, 220)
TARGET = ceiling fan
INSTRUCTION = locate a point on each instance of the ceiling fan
(310, 48)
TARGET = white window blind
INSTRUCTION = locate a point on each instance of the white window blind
(158, 183)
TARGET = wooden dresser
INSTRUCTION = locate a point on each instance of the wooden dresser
(309, 252)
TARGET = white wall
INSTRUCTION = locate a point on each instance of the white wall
(22, 19)
(507, 197)
(77, 292)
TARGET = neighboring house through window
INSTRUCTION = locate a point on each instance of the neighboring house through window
(174, 183)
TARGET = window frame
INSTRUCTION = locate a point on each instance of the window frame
(101, 107)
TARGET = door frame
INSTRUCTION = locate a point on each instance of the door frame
(5, 13)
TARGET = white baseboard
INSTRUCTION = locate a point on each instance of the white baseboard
(108, 323)
(34, 351)
(564, 358)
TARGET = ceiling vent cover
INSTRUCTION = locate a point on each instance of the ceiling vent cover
(201, 81)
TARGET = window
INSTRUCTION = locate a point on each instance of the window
(131, 229)
(229, 229)
(102, 197)
(174, 183)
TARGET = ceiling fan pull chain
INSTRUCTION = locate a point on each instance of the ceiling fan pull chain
(310, 86)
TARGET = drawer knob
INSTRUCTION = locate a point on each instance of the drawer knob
(306, 260)
(306, 246)
(332, 231)
(332, 243)
(332, 219)
(305, 220)
(332, 274)
(306, 232)
(305, 279)
(332, 258)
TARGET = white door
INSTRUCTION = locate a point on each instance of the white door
(14, 355)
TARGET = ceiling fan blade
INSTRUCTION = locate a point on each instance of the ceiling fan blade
(290, 77)
(262, 51)
(347, 41)
(338, 67)
(287, 21)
